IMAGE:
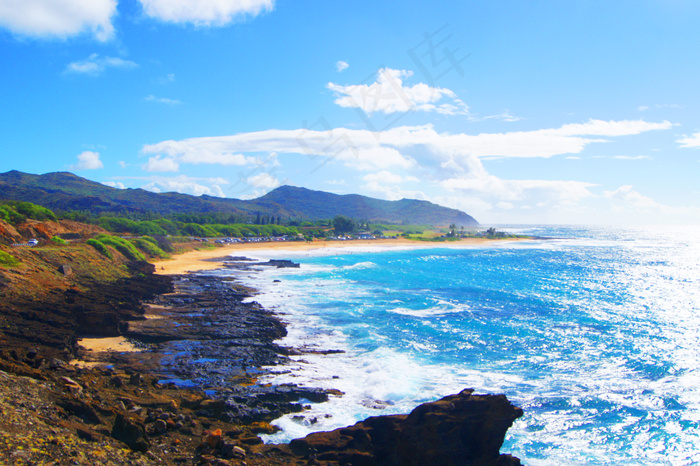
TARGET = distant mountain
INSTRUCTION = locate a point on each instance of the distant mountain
(66, 191)
(319, 205)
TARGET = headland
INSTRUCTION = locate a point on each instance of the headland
(168, 371)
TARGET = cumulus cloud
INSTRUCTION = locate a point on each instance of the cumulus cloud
(186, 185)
(263, 180)
(204, 12)
(388, 94)
(61, 19)
(692, 141)
(95, 65)
(341, 65)
(162, 100)
(88, 160)
(161, 164)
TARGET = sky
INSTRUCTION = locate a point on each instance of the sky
(577, 112)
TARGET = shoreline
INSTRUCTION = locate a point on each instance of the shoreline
(203, 260)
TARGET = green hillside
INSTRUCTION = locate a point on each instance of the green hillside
(63, 191)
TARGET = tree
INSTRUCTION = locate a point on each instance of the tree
(342, 225)
(453, 228)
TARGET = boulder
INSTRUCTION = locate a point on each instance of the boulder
(462, 429)
(131, 432)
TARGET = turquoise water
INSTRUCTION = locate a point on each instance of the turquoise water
(595, 334)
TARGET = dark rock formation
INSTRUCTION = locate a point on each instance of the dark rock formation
(131, 432)
(463, 429)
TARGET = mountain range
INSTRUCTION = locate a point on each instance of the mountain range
(63, 191)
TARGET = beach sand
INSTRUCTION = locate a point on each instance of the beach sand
(195, 261)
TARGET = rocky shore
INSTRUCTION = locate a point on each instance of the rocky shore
(190, 396)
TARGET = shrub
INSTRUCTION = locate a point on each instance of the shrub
(58, 241)
(101, 248)
(125, 247)
(149, 248)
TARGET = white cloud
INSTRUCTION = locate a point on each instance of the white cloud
(158, 164)
(626, 196)
(388, 95)
(171, 154)
(162, 100)
(59, 18)
(392, 193)
(499, 190)
(114, 184)
(204, 12)
(95, 65)
(88, 160)
(692, 141)
(263, 180)
(356, 148)
(186, 185)
(341, 66)
(609, 128)
(123, 164)
(397, 147)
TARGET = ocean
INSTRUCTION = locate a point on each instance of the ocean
(594, 332)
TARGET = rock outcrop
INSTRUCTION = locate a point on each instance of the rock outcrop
(462, 429)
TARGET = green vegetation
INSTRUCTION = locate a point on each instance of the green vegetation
(8, 260)
(101, 248)
(124, 246)
(165, 226)
(343, 225)
(150, 248)
(58, 241)
(14, 212)
(85, 200)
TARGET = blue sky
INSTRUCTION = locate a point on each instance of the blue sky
(515, 112)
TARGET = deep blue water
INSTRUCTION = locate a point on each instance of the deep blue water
(595, 334)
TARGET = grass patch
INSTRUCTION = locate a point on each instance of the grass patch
(8, 260)
(100, 247)
(150, 248)
(58, 241)
(122, 245)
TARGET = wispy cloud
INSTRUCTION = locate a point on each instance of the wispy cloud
(49, 19)
(341, 66)
(95, 65)
(204, 12)
(632, 157)
(162, 100)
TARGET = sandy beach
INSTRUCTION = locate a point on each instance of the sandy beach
(194, 261)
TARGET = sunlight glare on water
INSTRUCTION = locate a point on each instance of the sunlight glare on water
(594, 334)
